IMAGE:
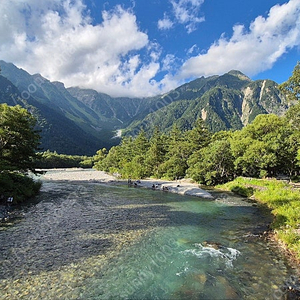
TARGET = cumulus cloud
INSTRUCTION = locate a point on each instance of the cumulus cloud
(251, 50)
(165, 23)
(57, 39)
(185, 12)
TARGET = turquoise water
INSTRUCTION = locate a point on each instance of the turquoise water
(89, 241)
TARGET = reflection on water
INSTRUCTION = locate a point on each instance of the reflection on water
(88, 241)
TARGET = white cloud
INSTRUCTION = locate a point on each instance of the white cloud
(192, 49)
(165, 23)
(57, 39)
(168, 62)
(186, 12)
(250, 51)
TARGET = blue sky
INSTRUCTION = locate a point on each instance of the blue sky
(144, 48)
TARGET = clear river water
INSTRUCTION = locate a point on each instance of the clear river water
(93, 241)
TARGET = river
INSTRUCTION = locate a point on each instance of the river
(92, 241)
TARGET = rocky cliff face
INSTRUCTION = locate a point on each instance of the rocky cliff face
(263, 97)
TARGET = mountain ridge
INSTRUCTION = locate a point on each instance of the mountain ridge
(224, 102)
(58, 132)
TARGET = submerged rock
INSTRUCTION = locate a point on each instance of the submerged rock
(201, 278)
(214, 245)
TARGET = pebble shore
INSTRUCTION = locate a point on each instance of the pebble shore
(182, 187)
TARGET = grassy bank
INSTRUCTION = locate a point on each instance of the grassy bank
(281, 199)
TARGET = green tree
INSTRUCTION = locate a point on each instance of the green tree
(266, 147)
(111, 162)
(293, 116)
(18, 144)
(131, 158)
(140, 144)
(256, 158)
(291, 88)
(119, 156)
(199, 136)
(18, 139)
(49, 160)
(177, 152)
(127, 159)
(289, 155)
(98, 158)
(136, 166)
(212, 164)
(155, 155)
(181, 145)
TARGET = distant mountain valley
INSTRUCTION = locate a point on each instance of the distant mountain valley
(81, 121)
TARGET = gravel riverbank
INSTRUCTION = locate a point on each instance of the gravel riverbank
(182, 187)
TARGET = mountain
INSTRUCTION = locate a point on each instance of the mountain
(58, 133)
(114, 111)
(81, 121)
(225, 102)
(75, 128)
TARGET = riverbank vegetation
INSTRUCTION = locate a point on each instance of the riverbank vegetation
(52, 160)
(19, 142)
(268, 147)
(282, 199)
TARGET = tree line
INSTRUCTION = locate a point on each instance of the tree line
(51, 160)
(268, 147)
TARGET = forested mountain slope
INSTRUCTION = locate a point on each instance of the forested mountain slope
(58, 133)
(81, 121)
(230, 101)
(75, 128)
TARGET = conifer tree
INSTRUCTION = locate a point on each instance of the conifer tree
(156, 153)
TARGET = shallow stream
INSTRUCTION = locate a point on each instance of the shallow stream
(92, 241)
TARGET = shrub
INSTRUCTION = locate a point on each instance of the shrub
(18, 186)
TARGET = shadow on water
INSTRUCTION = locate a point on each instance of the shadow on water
(69, 222)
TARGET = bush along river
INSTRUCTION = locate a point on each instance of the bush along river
(93, 241)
